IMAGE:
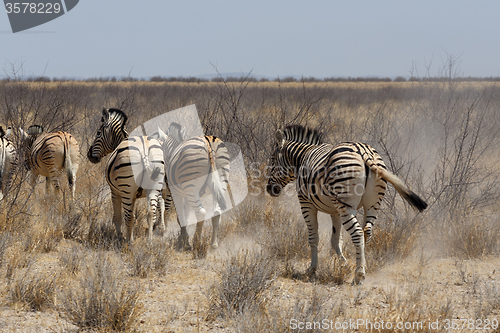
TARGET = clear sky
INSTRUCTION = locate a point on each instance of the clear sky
(271, 38)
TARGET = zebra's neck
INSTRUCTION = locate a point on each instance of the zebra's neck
(296, 152)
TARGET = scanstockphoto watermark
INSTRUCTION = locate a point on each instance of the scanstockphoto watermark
(463, 324)
(184, 123)
(25, 15)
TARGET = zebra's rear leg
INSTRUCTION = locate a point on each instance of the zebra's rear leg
(351, 225)
(215, 231)
(161, 215)
(369, 219)
(128, 209)
(197, 234)
(336, 240)
(183, 240)
(152, 197)
(117, 215)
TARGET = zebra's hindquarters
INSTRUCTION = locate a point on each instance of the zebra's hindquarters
(53, 153)
(135, 170)
(196, 165)
(7, 161)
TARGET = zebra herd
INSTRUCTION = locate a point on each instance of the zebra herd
(337, 180)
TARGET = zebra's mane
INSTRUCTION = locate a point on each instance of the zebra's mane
(299, 133)
(2, 132)
(117, 114)
(35, 130)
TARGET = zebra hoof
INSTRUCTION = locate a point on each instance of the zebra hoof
(215, 246)
(359, 276)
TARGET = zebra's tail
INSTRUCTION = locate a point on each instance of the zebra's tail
(68, 165)
(412, 198)
(215, 182)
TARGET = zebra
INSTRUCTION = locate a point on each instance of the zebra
(49, 154)
(7, 159)
(128, 154)
(336, 180)
(194, 165)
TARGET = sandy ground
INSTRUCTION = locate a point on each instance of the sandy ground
(177, 302)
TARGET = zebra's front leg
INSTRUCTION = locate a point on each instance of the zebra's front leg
(310, 215)
(351, 225)
(336, 240)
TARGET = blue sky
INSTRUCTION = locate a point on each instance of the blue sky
(270, 38)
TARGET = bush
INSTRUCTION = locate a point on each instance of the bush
(100, 299)
(244, 283)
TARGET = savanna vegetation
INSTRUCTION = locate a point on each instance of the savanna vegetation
(61, 268)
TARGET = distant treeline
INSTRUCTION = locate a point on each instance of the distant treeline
(254, 79)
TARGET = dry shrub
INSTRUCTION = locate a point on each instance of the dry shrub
(406, 304)
(72, 259)
(392, 240)
(333, 271)
(99, 299)
(145, 258)
(282, 318)
(34, 290)
(489, 300)
(17, 258)
(43, 236)
(5, 242)
(474, 237)
(285, 234)
(245, 281)
(102, 235)
(201, 246)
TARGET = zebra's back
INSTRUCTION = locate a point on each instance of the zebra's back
(191, 163)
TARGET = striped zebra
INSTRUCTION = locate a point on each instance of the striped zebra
(192, 167)
(336, 180)
(135, 169)
(50, 154)
(7, 159)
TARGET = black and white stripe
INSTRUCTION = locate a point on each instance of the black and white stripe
(50, 154)
(336, 180)
(7, 160)
(135, 169)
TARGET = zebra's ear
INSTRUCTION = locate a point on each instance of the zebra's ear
(24, 135)
(105, 114)
(161, 135)
(9, 130)
(2, 133)
(183, 133)
(280, 137)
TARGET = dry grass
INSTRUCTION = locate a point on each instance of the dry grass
(33, 290)
(244, 285)
(100, 299)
